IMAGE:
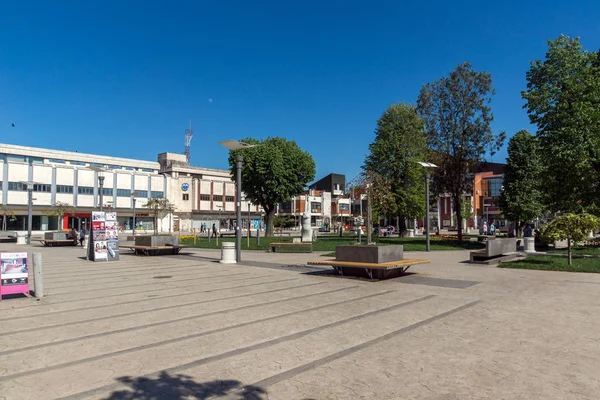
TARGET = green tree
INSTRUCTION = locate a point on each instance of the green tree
(522, 199)
(6, 213)
(570, 227)
(159, 207)
(398, 187)
(59, 209)
(467, 209)
(563, 100)
(457, 119)
(274, 171)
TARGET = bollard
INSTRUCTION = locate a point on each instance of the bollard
(38, 280)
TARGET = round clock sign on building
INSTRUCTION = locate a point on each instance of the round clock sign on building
(185, 187)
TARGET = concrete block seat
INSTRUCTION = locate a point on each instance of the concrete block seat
(496, 250)
(155, 245)
(52, 239)
(374, 262)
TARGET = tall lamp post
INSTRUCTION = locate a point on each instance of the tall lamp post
(133, 199)
(29, 187)
(427, 167)
(100, 185)
(235, 145)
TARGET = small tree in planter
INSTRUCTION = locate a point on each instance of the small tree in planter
(572, 228)
(6, 212)
(158, 207)
(467, 212)
(59, 209)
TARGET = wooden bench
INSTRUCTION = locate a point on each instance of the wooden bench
(302, 247)
(383, 269)
(154, 250)
(52, 243)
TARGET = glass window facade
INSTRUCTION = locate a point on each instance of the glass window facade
(123, 192)
(64, 189)
(315, 207)
(85, 190)
(157, 195)
(107, 191)
(495, 187)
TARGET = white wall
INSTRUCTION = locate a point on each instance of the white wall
(18, 172)
(85, 178)
(64, 176)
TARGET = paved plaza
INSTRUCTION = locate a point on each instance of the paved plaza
(187, 327)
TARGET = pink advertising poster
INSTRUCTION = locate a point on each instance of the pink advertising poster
(14, 273)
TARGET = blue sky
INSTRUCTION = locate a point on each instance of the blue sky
(123, 78)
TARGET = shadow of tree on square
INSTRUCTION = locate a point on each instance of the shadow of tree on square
(182, 387)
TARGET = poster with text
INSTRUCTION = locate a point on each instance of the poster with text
(14, 273)
(98, 216)
(100, 250)
(111, 216)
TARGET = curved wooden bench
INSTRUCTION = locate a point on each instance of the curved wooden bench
(385, 268)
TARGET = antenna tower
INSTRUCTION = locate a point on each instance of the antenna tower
(189, 133)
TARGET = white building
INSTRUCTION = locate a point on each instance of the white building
(199, 195)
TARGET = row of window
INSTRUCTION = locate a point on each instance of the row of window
(217, 198)
(65, 189)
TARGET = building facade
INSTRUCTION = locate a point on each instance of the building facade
(200, 196)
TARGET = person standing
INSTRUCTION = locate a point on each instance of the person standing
(81, 237)
(485, 228)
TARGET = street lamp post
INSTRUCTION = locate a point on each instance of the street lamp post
(369, 215)
(133, 199)
(235, 145)
(101, 189)
(29, 210)
(427, 238)
(133, 225)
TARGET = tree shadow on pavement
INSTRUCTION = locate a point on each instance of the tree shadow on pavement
(182, 387)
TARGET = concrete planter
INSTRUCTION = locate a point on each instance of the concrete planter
(369, 254)
(55, 236)
(157, 240)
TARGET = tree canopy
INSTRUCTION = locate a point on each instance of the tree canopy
(563, 100)
(571, 227)
(158, 207)
(522, 200)
(274, 171)
(458, 120)
(59, 209)
(398, 187)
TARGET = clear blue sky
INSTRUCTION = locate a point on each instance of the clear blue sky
(123, 78)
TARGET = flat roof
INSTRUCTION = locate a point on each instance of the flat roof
(75, 156)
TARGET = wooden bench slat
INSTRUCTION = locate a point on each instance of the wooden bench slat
(387, 265)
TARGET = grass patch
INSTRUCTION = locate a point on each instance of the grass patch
(579, 251)
(328, 243)
(550, 263)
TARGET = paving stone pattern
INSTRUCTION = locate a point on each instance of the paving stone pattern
(187, 327)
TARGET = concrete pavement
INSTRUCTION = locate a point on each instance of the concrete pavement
(181, 327)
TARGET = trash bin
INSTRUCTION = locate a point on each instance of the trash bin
(228, 253)
(21, 237)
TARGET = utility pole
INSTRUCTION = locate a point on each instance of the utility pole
(369, 216)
